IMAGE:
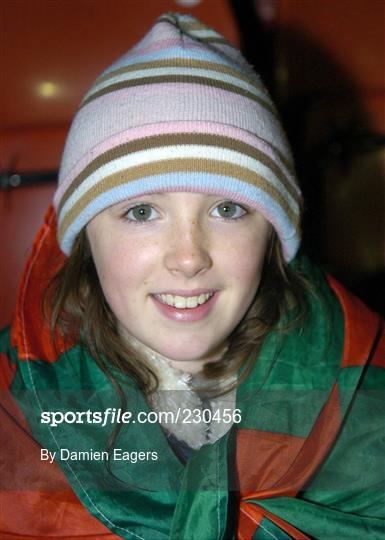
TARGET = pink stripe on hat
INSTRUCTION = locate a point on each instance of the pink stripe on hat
(121, 110)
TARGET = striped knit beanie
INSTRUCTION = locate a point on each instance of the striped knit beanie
(181, 111)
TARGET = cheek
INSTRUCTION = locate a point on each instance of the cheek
(244, 259)
(122, 267)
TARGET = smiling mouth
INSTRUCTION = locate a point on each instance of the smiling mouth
(184, 302)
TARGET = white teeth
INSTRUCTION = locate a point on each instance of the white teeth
(192, 302)
(180, 302)
(183, 302)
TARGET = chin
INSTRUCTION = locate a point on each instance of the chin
(185, 353)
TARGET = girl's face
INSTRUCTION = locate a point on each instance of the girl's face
(179, 270)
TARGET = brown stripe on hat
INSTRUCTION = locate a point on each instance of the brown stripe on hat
(213, 40)
(180, 63)
(171, 166)
(190, 79)
(178, 139)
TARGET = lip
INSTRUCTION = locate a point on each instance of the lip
(187, 314)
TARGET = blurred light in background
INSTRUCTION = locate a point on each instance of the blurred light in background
(47, 89)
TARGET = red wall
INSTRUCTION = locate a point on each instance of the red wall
(352, 33)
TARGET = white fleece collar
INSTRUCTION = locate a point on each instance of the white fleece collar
(192, 411)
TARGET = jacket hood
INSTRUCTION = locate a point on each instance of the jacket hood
(30, 331)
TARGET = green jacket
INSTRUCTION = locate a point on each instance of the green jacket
(304, 459)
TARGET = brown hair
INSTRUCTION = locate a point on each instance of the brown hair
(77, 307)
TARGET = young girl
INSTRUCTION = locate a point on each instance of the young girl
(175, 370)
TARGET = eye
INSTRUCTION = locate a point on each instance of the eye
(141, 213)
(229, 210)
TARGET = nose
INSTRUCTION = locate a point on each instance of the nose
(187, 253)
